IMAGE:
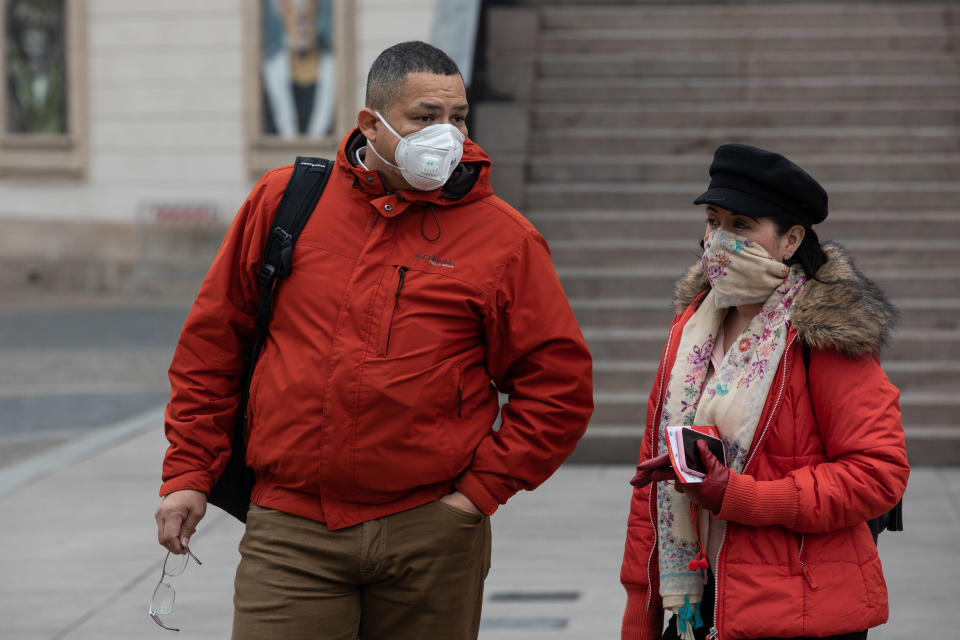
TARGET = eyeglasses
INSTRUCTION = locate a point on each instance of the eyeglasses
(162, 602)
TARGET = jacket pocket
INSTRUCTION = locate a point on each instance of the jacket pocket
(386, 328)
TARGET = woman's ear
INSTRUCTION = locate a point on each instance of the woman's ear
(791, 240)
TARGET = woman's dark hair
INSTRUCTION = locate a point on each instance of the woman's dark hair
(809, 255)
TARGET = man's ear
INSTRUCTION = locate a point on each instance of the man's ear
(367, 123)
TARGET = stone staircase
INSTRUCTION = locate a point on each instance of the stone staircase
(627, 102)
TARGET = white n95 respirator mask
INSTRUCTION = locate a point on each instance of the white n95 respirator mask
(426, 158)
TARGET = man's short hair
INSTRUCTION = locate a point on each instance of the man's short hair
(389, 71)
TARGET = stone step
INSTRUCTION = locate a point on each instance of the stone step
(757, 65)
(620, 443)
(647, 344)
(771, 113)
(604, 254)
(648, 281)
(923, 375)
(917, 407)
(930, 407)
(751, 88)
(600, 313)
(609, 444)
(623, 311)
(689, 223)
(745, 39)
(625, 375)
(790, 141)
(735, 16)
(668, 195)
(607, 168)
(638, 376)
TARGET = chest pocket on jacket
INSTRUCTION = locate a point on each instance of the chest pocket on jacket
(424, 314)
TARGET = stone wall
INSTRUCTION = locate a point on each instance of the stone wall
(165, 124)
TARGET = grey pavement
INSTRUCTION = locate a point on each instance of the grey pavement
(70, 364)
(81, 557)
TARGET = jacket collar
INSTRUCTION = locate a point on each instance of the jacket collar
(470, 180)
(841, 309)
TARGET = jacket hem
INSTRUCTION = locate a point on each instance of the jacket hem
(345, 514)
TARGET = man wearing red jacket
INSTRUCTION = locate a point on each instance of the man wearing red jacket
(416, 295)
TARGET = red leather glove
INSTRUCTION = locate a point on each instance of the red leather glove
(709, 493)
(654, 470)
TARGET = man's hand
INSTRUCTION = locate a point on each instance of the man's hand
(709, 493)
(177, 518)
(459, 501)
(654, 470)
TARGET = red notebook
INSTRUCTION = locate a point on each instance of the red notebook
(684, 455)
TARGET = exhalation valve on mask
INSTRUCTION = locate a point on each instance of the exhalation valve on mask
(430, 166)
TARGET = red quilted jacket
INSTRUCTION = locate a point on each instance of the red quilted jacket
(376, 390)
(829, 454)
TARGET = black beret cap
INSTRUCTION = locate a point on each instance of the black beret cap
(758, 183)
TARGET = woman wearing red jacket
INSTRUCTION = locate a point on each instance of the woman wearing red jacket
(775, 544)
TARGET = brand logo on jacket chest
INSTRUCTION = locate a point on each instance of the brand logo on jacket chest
(435, 261)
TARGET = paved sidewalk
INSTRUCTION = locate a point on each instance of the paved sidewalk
(81, 558)
(72, 363)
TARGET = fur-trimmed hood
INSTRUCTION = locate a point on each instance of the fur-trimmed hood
(842, 309)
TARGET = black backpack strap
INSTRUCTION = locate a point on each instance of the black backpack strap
(309, 177)
(299, 199)
(234, 486)
(891, 520)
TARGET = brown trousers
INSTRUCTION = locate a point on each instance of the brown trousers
(414, 574)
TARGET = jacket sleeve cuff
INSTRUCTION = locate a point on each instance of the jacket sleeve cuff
(486, 490)
(639, 623)
(760, 503)
(196, 480)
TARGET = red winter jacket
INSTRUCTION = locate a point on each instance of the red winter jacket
(798, 558)
(373, 392)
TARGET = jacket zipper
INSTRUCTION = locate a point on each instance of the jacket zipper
(653, 448)
(803, 565)
(715, 630)
(396, 303)
(459, 392)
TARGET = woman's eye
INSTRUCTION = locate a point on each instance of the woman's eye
(711, 222)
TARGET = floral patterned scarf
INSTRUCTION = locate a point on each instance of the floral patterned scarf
(732, 399)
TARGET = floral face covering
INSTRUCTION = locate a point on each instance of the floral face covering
(740, 270)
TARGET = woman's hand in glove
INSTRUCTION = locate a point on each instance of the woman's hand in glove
(653, 470)
(709, 493)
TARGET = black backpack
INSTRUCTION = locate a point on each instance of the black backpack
(891, 520)
(232, 490)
